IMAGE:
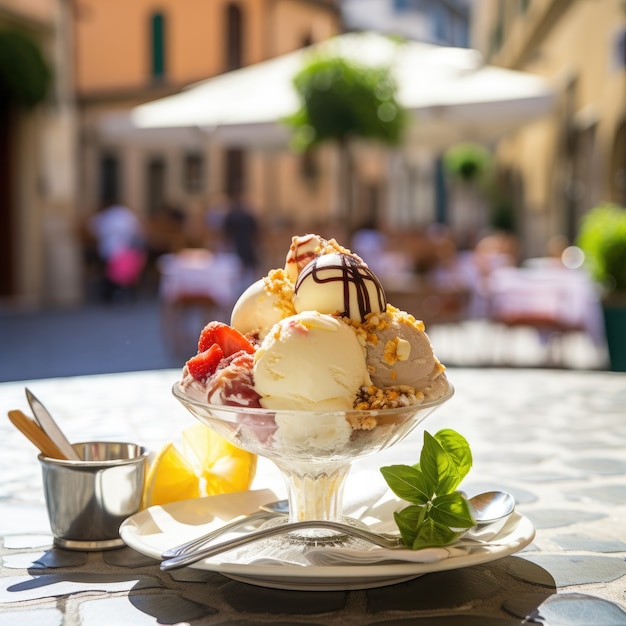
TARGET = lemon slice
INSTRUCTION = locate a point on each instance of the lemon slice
(208, 465)
(170, 478)
(222, 467)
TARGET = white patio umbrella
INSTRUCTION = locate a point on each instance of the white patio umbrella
(453, 95)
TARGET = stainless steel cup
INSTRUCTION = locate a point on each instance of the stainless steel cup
(88, 500)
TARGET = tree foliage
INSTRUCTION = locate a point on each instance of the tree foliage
(341, 99)
(24, 74)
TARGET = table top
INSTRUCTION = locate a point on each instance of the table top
(555, 439)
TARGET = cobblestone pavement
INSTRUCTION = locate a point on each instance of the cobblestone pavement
(555, 439)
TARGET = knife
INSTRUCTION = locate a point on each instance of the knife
(50, 427)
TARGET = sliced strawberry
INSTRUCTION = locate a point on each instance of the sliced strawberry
(228, 338)
(204, 364)
(207, 336)
(231, 340)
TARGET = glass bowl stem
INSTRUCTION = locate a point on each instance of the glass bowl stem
(315, 491)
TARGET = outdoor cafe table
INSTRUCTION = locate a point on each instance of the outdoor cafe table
(555, 439)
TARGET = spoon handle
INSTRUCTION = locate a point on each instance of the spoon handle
(35, 434)
(188, 559)
(197, 544)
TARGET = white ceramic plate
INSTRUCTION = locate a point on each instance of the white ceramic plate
(153, 530)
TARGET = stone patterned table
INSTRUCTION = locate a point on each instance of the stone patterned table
(555, 439)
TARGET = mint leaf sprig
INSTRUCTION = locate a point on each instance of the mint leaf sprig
(437, 514)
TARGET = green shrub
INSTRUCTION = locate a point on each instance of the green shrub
(602, 238)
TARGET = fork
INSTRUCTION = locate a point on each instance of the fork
(379, 539)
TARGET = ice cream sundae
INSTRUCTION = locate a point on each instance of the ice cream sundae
(314, 370)
(316, 335)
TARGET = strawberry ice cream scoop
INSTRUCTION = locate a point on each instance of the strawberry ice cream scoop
(221, 371)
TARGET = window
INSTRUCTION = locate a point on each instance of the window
(619, 50)
(234, 37)
(109, 178)
(618, 166)
(157, 41)
(234, 171)
(309, 169)
(193, 172)
(155, 182)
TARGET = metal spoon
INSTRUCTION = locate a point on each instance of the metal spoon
(491, 506)
(486, 508)
(50, 427)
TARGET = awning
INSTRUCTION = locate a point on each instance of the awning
(452, 94)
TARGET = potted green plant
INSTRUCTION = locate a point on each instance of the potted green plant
(602, 238)
(468, 162)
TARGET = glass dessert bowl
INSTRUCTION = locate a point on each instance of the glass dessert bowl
(313, 450)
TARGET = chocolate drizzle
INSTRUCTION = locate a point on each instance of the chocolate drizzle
(354, 276)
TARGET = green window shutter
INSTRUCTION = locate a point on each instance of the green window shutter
(158, 46)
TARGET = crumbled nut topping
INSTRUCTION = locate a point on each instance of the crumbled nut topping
(277, 283)
(390, 353)
(331, 246)
(371, 397)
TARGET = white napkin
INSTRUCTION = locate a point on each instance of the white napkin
(346, 556)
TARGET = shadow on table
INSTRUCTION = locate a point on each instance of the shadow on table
(518, 587)
(519, 595)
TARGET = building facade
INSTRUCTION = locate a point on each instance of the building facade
(133, 52)
(39, 255)
(572, 160)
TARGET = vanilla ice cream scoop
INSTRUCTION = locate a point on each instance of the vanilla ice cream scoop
(262, 304)
(310, 361)
(256, 310)
(339, 284)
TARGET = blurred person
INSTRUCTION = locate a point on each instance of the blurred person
(121, 248)
(241, 232)
(213, 222)
(370, 244)
(447, 272)
(166, 232)
(495, 250)
(556, 246)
